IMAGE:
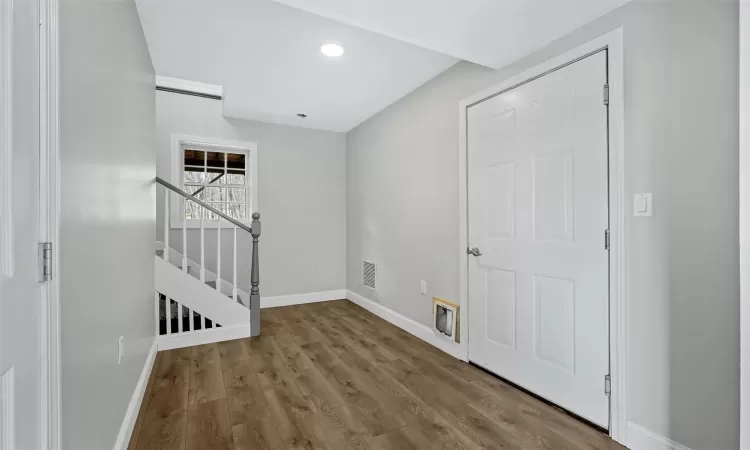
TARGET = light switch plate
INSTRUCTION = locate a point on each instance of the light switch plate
(423, 287)
(643, 205)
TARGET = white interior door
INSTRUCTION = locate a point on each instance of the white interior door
(20, 297)
(538, 211)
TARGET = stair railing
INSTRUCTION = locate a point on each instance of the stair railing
(253, 229)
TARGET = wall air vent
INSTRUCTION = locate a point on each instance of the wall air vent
(369, 272)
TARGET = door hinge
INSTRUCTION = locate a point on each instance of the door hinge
(606, 239)
(607, 385)
(606, 94)
(45, 261)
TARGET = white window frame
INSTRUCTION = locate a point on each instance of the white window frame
(179, 143)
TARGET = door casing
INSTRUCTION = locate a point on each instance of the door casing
(613, 43)
(49, 221)
(49, 378)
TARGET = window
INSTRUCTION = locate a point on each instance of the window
(220, 173)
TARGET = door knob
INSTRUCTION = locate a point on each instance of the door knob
(474, 251)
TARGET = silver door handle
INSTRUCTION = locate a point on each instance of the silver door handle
(474, 251)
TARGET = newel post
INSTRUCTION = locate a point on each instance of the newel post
(255, 280)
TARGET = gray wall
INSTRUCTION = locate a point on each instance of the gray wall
(302, 198)
(107, 157)
(681, 137)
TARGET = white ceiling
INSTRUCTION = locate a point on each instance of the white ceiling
(266, 56)
(492, 33)
(265, 53)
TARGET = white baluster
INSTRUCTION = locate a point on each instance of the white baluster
(168, 313)
(192, 320)
(156, 307)
(203, 252)
(204, 322)
(166, 224)
(218, 254)
(234, 267)
(179, 317)
(184, 238)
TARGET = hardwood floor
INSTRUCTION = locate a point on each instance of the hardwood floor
(334, 376)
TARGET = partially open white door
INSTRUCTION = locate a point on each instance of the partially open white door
(538, 213)
(20, 297)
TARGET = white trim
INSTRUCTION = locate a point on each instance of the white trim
(463, 231)
(301, 299)
(8, 410)
(180, 140)
(49, 223)
(6, 141)
(191, 86)
(639, 438)
(410, 326)
(613, 42)
(209, 336)
(131, 415)
(744, 179)
(617, 254)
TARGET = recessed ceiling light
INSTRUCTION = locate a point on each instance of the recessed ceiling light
(302, 116)
(332, 50)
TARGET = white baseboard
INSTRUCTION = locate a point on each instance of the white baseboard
(410, 326)
(300, 299)
(191, 338)
(639, 438)
(128, 423)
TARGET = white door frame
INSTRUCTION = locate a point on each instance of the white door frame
(49, 220)
(611, 41)
(744, 224)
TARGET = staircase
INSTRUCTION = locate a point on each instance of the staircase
(195, 305)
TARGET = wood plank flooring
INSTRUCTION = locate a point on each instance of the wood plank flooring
(334, 376)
